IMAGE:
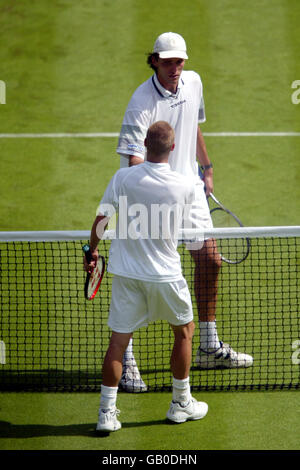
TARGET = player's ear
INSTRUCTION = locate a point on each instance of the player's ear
(173, 146)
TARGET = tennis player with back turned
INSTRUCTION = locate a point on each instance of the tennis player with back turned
(148, 283)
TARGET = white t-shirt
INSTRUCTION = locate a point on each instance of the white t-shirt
(183, 111)
(146, 198)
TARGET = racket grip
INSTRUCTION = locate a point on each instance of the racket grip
(87, 251)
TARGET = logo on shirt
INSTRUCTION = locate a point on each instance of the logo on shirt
(139, 148)
(178, 104)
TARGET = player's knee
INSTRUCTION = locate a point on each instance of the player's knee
(119, 341)
(209, 256)
(191, 329)
(184, 332)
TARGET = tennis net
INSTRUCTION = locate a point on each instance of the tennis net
(52, 339)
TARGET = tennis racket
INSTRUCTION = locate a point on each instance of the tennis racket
(232, 250)
(93, 279)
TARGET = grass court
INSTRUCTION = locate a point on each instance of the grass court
(71, 67)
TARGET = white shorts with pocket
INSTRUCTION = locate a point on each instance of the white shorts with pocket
(136, 303)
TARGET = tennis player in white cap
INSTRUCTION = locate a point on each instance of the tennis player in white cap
(175, 95)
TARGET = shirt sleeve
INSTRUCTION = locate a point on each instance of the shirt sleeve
(133, 133)
(201, 113)
(109, 203)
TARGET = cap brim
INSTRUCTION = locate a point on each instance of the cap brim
(173, 54)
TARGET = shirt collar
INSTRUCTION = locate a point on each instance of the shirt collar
(158, 166)
(162, 91)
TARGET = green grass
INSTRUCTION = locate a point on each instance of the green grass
(230, 424)
(72, 67)
(59, 189)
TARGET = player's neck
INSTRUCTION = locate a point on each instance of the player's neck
(169, 86)
(161, 159)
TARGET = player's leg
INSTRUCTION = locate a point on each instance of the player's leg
(112, 365)
(207, 267)
(111, 375)
(183, 406)
(127, 313)
(131, 380)
(212, 352)
(182, 350)
(128, 292)
(172, 302)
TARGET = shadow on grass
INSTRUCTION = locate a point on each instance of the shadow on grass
(23, 431)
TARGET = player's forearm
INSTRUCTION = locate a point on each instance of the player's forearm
(97, 231)
(205, 163)
(202, 154)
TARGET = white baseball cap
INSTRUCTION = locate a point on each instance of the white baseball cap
(169, 45)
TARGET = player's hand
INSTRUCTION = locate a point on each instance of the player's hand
(89, 267)
(208, 182)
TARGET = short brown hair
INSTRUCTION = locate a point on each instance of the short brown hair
(160, 138)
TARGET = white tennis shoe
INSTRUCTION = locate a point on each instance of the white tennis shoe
(192, 411)
(223, 358)
(131, 380)
(108, 421)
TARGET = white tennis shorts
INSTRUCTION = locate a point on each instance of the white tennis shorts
(135, 303)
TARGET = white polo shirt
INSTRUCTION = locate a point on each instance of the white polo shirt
(183, 111)
(145, 247)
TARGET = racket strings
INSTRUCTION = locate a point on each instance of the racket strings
(233, 250)
(94, 279)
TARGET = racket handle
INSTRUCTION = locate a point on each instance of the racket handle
(87, 251)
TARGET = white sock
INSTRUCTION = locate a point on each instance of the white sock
(108, 398)
(208, 335)
(128, 355)
(181, 392)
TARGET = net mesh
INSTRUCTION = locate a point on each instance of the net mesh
(52, 339)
